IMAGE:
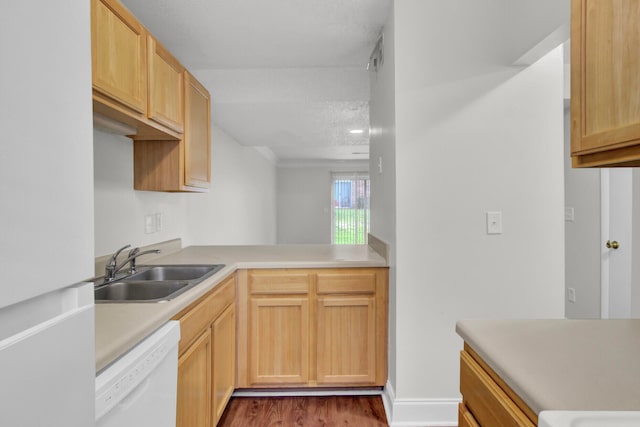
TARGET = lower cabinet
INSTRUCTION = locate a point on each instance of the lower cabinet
(223, 331)
(312, 327)
(194, 383)
(465, 418)
(279, 340)
(346, 345)
(486, 400)
(206, 361)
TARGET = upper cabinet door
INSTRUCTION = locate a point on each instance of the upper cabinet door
(605, 82)
(119, 54)
(166, 87)
(197, 134)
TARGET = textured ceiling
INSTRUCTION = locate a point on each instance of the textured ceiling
(289, 75)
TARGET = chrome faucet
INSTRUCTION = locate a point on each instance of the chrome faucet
(113, 267)
(135, 253)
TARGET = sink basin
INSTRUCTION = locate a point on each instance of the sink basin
(589, 418)
(175, 272)
(156, 283)
(147, 291)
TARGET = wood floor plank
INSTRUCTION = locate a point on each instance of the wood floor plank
(314, 411)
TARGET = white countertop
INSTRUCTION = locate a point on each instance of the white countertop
(563, 364)
(120, 326)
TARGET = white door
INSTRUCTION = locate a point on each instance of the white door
(616, 215)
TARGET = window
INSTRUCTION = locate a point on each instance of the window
(350, 208)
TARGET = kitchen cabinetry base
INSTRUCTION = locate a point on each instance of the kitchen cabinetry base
(206, 370)
(487, 401)
(300, 328)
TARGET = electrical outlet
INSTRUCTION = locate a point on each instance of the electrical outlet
(159, 221)
(571, 294)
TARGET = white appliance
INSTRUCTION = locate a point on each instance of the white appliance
(140, 388)
(47, 345)
(47, 360)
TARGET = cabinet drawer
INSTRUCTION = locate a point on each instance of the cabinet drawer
(488, 403)
(351, 283)
(278, 282)
(465, 418)
(196, 319)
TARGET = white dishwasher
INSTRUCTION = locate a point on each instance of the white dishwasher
(139, 389)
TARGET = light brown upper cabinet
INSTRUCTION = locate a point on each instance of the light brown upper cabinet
(166, 87)
(183, 165)
(119, 55)
(136, 81)
(605, 83)
(197, 134)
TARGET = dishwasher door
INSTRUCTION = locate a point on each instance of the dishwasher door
(139, 389)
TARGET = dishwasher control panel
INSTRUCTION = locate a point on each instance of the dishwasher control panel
(115, 383)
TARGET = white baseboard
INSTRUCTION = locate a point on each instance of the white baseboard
(419, 412)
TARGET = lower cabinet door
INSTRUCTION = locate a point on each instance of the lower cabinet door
(346, 340)
(279, 341)
(224, 360)
(194, 384)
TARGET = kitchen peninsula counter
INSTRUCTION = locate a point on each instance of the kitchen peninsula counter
(562, 364)
(119, 327)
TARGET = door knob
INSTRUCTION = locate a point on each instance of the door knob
(612, 244)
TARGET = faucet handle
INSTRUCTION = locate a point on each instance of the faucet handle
(114, 258)
(133, 252)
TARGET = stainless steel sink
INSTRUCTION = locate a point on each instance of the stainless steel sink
(154, 283)
(174, 272)
(147, 291)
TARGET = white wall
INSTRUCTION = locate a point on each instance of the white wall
(582, 236)
(635, 236)
(46, 218)
(489, 137)
(238, 209)
(304, 201)
(119, 210)
(383, 184)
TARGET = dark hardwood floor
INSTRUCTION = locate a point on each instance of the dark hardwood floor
(325, 411)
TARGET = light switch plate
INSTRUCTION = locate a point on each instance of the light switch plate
(149, 224)
(569, 214)
(494, 222)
